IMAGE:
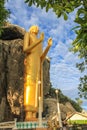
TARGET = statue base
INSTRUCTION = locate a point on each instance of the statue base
(30, 113)
(30, 117)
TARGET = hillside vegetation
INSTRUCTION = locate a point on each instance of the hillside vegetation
(63, 99)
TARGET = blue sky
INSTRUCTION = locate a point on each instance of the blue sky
(63, 72)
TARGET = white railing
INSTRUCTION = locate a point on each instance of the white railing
(9, 124)
(14, 125)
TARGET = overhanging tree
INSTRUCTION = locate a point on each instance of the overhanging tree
(63, 8)
(79, 46)
(4, 13)
(60, 7)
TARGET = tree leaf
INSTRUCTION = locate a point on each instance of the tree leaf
(68, 10)
(76, 27)
(65, 16)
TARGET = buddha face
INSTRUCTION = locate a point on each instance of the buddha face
(34, 29)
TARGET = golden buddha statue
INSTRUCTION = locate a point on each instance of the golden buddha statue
(33, 70)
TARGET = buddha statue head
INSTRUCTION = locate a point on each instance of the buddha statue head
(34, 29)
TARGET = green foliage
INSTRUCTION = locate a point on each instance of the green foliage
(52, 92)
(3, 14)
(62, 98)
(79, 101)
(83, 87)
(79, 46)
(75, 105)
(61, 8)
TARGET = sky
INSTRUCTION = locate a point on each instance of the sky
(63, 72)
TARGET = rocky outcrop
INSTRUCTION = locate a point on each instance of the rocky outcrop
(2, 108)
(11, 32)
(46, 76)
(11, 74)
(50, 107)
